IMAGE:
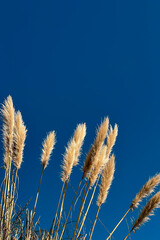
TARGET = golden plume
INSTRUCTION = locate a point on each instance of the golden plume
(7, 112)
(100, 162)
(106, 180)
(68, 160)
(73, 151)
(48, 146)
(111, 139)
(100, 137)
(147, 211)
(18, 140)
(146, 190)
(78, 137)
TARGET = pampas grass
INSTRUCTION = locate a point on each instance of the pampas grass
(144, 192)
(100, 163)
(19, 224)
(96, 147)
(147, 211)
(71, 157)
(47, 148)
(8, 114)
(106, 181)
(19, 140)
(90, 162)
(107, 178)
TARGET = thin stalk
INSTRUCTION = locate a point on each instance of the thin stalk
(81, 208)
(8, 183)
(127, 235)
(85, 215)
(3, 190)
(6, 218)
(54, 221)
(35, 204)
(13, 192)
(3, 197)
(118, 224)
(94, 222)
(12, 183)
(70, 209)
(4, 205)
(12, 197)
(61, 210)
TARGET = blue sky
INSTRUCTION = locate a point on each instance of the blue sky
(67, 62)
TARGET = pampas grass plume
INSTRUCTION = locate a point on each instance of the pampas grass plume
(19, 140)
(68, 160)
(146, 190)
(78, 137)
(100, 137)
(111, 138)
(147, 211)
(106, 180)
(48, 146)
(73, 151)
(8, 113)
(101, 133)
(100, 162)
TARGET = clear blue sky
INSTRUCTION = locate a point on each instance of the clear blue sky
(67, 62)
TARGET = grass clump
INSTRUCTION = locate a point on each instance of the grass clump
(19, 223)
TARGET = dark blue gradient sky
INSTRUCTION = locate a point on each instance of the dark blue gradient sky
(67, 62)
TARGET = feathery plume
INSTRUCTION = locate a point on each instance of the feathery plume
(7, 112)
(147, 211)
(73, 151)
(145, 191)
(48, 146)
(111, 139)
(101, 133)
(99, 165)
(78, 137)
(69, 159)
(106, 181)
(18, 140)
(100, 137)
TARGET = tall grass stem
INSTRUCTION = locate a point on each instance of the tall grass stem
(61, 210)
(70, 209)
(54, 221)
(94, 222)
(118, 224)
(81, 208)
(85, 215)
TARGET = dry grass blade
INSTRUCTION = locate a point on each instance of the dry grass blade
(147, 211)
(19, 139)
(146, 190)
(106, 180)
(98, 143)
(48, 146)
